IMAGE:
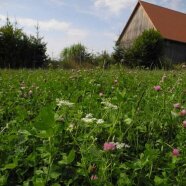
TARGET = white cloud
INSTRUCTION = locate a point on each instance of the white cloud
(53, 24)
(58, 35)
(114, 6)
(49, 25)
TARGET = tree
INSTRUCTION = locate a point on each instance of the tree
(17, 50)
(76, 53)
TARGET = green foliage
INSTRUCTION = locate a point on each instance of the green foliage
(76, 53)
(145, 51)
(119, 54)
(17, 50)
(54, 123)
(77, 56)
(104, 59)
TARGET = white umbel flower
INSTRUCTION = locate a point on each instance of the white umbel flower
(121, 145)
(70, 127)
(89, 119)
(61, 102)
(89, 115)
(109, 105)
(100, 121)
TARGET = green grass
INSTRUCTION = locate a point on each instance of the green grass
(45, 140)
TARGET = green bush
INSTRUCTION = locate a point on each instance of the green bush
(145, 51)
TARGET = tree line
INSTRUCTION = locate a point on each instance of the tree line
(18, 50)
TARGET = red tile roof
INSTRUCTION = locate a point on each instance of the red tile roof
(171, 24)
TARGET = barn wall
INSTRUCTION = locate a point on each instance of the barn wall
(175, 51)
(137, 25)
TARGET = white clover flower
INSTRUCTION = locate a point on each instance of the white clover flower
(61, 102)
(109, 105)
(121, 145)
(100, 121)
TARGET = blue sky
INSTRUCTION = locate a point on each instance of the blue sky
(94, 23)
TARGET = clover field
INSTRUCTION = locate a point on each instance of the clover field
(92, 127)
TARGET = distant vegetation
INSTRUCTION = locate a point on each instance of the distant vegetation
(77, 56)
(18, 50)
(146, 51)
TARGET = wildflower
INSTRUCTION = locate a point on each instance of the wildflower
(157, 88)
(89, 118)
(183, 66)
(121, 145)
(70, 127)
(89, 115)
(184, 124)
(115, 81)
(109, 105)
(177, 105)
(61, 102)
(22, 85)
(100, 121)
(94, 177)
(30, 92)
(183, 112)
(109, 146)
(163, 78)
(175, 152)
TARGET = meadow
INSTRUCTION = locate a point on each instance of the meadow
(92, 127)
